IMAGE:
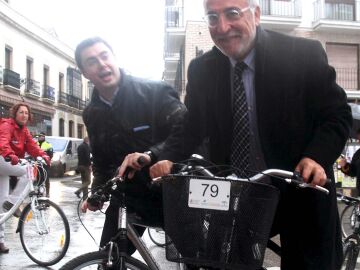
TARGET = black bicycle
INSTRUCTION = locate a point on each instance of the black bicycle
(225, 222)
(350, 226)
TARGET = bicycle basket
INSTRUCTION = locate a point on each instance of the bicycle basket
(230, 239)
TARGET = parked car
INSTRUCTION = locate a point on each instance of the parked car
(65, 156)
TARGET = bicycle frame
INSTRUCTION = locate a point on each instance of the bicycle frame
(27, 192)
(125, 226)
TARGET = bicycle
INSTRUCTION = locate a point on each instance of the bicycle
(351, 242)
(209, 246)
(349, 214)
(43, 227)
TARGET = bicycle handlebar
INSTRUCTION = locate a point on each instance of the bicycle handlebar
(292, 178)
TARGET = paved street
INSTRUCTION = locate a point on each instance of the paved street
(62, 192)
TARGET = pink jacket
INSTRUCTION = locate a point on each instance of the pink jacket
(17, 140)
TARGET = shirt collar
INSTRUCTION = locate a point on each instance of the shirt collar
(249, 60)
(111, 101)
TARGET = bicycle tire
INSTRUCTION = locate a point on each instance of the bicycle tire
(95, 260)
(351, 252)
(44, 248)
(347, 219)
(158, 238)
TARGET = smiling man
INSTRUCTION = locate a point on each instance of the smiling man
(268, 100)
(126, 115)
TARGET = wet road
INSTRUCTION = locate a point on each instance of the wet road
(62, 192)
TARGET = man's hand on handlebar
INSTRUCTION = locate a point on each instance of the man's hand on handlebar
(132, 161)
(311, 171)
(161, 168)
(85, 205)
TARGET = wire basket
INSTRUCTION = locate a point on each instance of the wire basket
(229, 239)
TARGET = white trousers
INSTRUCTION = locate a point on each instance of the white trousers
(6, 170)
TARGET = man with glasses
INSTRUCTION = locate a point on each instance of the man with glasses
(268, 100)
(126, 115)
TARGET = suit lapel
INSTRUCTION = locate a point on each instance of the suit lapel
(221, 95)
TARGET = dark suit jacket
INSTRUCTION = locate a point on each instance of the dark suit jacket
(301, 112)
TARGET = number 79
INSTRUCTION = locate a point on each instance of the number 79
(213, 189)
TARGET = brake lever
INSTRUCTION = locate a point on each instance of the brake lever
(301, 184)
(320, 188)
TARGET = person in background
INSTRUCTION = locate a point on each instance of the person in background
(269, 100)
(84, 167)
(125, 115)
(352, 168)
(48, 149)
(15, 140)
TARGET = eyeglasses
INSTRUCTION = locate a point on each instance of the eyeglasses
(231, 15)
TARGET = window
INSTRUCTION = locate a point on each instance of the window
(61, 127)
(8, 57)
(71, 128)
(74, 82)
(61, 82)
(80, 131)
(345, 59)
(90, 89)
(29, 68)
(46, 76)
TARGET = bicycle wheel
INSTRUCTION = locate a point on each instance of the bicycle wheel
(157, 236)
(351, 252)
(96, 261)
(44, 232)
(348, 218)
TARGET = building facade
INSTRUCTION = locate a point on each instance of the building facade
(335, 23)
(39, 69)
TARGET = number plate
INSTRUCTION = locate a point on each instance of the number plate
(209, 194)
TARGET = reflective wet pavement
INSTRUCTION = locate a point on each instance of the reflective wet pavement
(62, 192)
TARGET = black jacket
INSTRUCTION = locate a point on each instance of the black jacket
(140, 119)
(84, 158)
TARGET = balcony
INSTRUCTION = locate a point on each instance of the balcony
(174, 17)
(32, 88)
(348, 78)
(48, 94)
(71, 101)
(341, 15)
(280, 14)
(11, 80)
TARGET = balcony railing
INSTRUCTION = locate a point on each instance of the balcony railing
(72, 101)
(340, 11)
(32, 87)
(281, 8)
(49, 93)
(11, 78)
(174, 16)
(348, 78)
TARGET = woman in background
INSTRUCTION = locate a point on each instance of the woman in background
(15, 141)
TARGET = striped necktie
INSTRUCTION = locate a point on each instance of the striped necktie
(240, 147)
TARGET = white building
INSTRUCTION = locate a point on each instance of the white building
(38, 68)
